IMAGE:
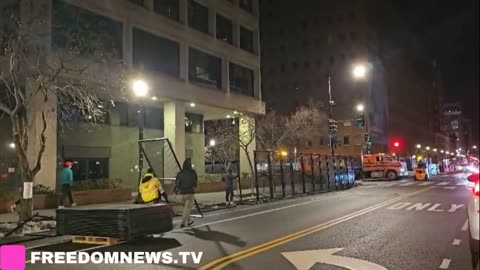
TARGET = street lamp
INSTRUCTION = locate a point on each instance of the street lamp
(212, 144)
(359, 71)
(419, 146)
(428, 148)
(11, 145)
(360, 107)
(474, 147)
(441, 151)
(140, 89)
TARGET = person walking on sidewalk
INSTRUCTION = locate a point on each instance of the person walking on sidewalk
(186, 183)
(229, 180)
(66, 179)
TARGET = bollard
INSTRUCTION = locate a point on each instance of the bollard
(256, 175)
(312, 168)
(282, 178)
(303, 173)
(270, 174)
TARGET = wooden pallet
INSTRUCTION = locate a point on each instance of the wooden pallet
(95, 240)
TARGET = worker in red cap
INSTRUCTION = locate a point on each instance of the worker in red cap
(66, 179)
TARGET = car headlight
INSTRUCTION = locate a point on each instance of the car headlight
(402, 169)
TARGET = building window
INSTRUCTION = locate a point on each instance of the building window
(342, 56)
(282, 67)
(197, 16)
(358, 139)
(304, 26)
(309, 143)
(319, 83)
(193, 123)
(346, 140)
(137, 2)
(319, 62)
(246, 5)
(341, 37)
(168, 8)
(306, 64)
(331, 60)
(340, 18)
(282, 48)
(241, 80)
(322, 141)
(204, 68)
(282, 30)
(70, 22)
(353, 36)
(224, 29)
(246, 39)
(154, 118)
(89, 168)
(294, 66)
(155, 53)
(305, 44)
(317, 43)
(351, 16)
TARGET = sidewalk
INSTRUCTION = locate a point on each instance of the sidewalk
(205, 200)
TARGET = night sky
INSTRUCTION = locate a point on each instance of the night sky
(448, 31)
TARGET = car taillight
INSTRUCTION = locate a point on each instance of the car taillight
(476, 189)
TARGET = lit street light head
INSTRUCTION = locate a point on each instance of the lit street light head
(140, 88)
(360, 107)
(359, 71)
(11, 145)
(428, 147)
(212, 142)
(419, 146)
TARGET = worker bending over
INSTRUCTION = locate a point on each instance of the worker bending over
(151, 189)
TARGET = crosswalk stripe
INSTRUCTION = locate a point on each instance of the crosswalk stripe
(449, 187)
(426, 184)
(389, 184)
(460, 184)
(443, 183)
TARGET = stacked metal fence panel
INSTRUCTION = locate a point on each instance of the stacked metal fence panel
(123, 221)
(281, 175)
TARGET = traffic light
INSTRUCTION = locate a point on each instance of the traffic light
(360, 121)
(332, 126)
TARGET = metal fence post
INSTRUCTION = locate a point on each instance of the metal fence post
(334, 160)
(313, 172)
(282, 177)
(270, 174)
(256, 175)
(302, 163)
(328, 172)
(292, 176)
(320, 172)
(341, 171)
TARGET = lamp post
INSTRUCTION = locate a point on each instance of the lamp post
(140, 89)
(359, 72)
(212, 144)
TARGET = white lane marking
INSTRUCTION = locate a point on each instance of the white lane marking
(390, 184)
(451, 188)
(419, 206)
(456, 242)
(455, 207)
(465, 225)
(426, 184)
(445, 264)
(404, 180)
(461, 184)
(407, 184)
(254, 214)
(399, 206)
(443, 183)
(434, 208)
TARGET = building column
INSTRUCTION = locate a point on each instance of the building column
(174, 131)
(225, 74)
(246, 133)
(183, 11)
(47, 175)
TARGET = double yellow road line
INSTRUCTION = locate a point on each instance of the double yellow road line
(227, 260)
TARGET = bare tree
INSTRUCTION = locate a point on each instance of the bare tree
(226, 146)
(273, 130)
(38, 83)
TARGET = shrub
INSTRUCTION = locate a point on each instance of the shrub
(97, 184)
(41, 189)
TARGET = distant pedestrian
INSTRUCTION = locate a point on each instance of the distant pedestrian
(66, 179)
(186, 184)
(229, 180)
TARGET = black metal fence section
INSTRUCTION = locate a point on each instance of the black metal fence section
(280, 175)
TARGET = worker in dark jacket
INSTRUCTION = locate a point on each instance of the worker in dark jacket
(186, 183)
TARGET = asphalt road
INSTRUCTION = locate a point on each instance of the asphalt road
(402, 225)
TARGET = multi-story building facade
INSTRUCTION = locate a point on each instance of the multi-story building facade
(454, 126)
(307, 43)
(200, 58)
